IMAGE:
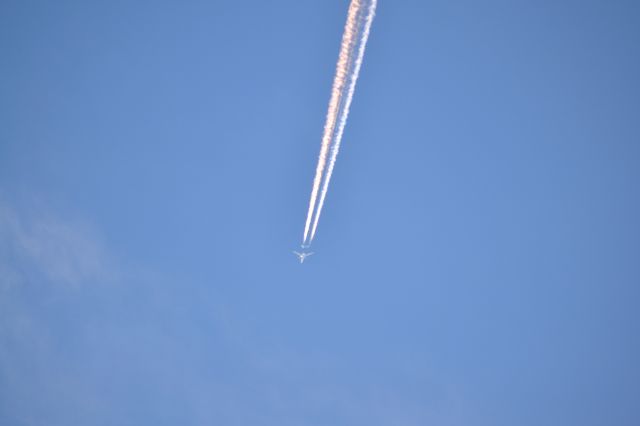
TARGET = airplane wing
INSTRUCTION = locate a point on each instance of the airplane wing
(296, 253)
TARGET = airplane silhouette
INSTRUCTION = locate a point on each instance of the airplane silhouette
(302, 256)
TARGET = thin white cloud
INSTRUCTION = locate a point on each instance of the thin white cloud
(37, 244)
(71, 353)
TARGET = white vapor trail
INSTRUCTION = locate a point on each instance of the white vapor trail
(354, 40)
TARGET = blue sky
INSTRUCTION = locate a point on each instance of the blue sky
(477, 260)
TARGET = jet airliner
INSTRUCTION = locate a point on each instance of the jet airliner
(302, 256)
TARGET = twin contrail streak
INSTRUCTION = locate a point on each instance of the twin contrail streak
(354, 40)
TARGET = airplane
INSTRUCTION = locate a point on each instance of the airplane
(302, 256)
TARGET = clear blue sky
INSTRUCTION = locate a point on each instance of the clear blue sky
(478, 257)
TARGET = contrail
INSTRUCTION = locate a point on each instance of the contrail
(365, 18)
(354, 40)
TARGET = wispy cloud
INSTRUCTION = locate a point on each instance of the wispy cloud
(148, 346)
(37, 244)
